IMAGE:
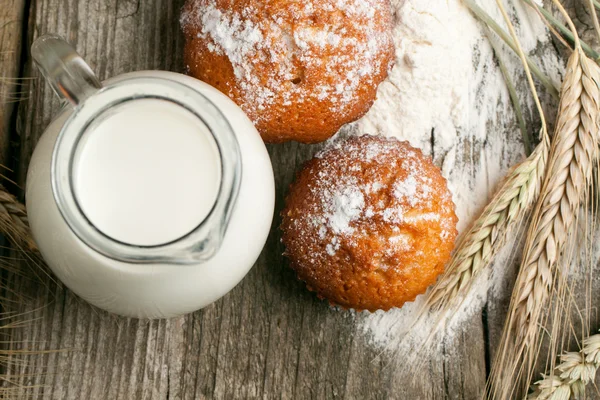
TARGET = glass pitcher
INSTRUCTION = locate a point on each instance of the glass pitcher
(151, 194)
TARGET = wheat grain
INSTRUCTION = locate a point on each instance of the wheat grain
(551, 387)
(490, 231)
(573, 367)
(569, 173)
(570, 377)
(506, 210)
(572, 156)
(591, 349)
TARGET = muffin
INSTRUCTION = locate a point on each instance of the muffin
(369, 223)
(299, 69)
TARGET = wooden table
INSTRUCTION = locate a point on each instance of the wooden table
(269, 338)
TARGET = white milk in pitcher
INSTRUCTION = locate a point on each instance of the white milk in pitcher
(147, 172)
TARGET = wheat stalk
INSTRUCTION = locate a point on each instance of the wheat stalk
(570, 172)
(13, 221)
(480, 13)
(506, 210)
(572, 155)
(571, 376)
(551, 21)
(490, 231)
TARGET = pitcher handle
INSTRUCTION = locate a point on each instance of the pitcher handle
(64, 69)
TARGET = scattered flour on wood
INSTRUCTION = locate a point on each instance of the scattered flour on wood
(447, 96)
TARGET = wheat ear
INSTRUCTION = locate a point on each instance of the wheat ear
(13, 221)
(490, 231)
(506, 210)
(572, 157)
(571, 376)
(569, 173)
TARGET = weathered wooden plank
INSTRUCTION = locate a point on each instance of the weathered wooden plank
(11, 88)
(11, 91)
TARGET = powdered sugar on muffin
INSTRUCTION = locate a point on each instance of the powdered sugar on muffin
(343, 196)
(369, 223)
(285, 55)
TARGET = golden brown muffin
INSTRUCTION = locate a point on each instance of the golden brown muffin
(369, 223)
(300, 69)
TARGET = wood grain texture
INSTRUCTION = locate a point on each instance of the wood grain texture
(11, 87)
(269, 338)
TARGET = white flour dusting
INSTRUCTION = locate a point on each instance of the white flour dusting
(447, 96)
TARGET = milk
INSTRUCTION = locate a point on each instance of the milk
(177, 172)
(147, 172)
